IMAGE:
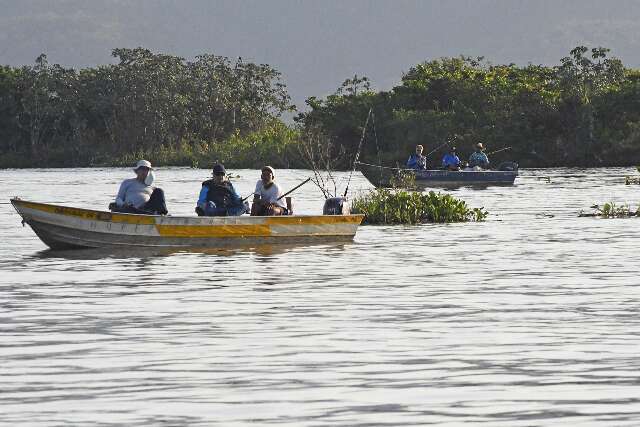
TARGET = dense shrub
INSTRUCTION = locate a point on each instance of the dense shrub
(384, 206)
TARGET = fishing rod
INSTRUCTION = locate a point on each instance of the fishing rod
(355, 161)
(386, 167)
(294, 188)
(497, 151)
(285, 194)
(436, 149)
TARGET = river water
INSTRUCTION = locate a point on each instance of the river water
(531, 318)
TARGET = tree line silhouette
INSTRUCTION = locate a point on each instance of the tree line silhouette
(583, 112)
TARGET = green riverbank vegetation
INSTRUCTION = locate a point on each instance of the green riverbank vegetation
(162, 107)
(394, 206)
(583, 112)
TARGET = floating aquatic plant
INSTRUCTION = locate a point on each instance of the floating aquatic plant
(611, 210)
(385, 206)
(628, 180)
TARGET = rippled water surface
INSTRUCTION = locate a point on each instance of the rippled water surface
(530, 318)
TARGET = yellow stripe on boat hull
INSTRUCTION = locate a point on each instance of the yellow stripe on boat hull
(213, 230)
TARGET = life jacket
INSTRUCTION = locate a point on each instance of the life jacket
(220, 194)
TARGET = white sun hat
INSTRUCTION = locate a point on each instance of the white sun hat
(143, 164)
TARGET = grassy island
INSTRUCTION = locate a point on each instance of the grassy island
(393, 206)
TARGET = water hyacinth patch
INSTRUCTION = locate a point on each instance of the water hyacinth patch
(611, 210)
(386, 206)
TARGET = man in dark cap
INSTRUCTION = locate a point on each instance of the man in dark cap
(451, 161)
(218, 197)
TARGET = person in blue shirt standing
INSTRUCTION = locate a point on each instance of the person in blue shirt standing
(417, 160)
(218, 197)
(478, 158)
(451, 161)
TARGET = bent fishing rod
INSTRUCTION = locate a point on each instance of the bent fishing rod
(355, 160)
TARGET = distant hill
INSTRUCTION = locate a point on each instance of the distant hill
(318, 44)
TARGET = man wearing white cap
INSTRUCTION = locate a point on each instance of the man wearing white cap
(138, 195)
(267, 197)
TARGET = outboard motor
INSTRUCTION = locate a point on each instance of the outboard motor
(336, 206)
(508, 166)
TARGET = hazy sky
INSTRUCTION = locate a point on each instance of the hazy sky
(318, 44)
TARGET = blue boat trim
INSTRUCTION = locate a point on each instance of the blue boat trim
(466, 176)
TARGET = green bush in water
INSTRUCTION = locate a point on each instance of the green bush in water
(384, 206)
(611, 210)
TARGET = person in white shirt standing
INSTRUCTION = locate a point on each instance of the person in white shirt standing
(267, 197)
(138, 195)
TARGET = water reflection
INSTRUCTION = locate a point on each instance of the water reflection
(527, 319)
(265, 251)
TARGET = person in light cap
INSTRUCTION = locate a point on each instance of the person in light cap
(138, 195)
(417, 161)
(478, 158)
(267, 197)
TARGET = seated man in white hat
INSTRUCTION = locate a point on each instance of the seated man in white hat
(267, 197)
(138, 195)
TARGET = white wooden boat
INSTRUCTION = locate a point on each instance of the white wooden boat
(63, 227)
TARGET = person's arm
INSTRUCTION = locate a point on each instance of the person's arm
(257, 193)
(202, 198)
(411, 163)
(122, 191)
(234, 194)
(236, 199)
(279, 199)
(422, 162)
